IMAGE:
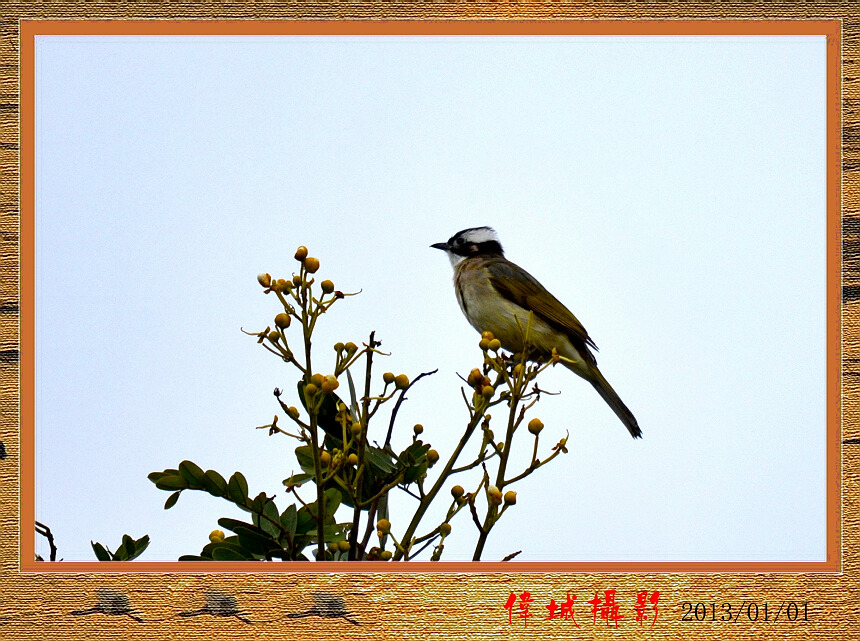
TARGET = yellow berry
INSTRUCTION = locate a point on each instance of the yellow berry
(385, 555)
(327, 286)
(317, 379)
(274, 336)
(330, 384)
(495, 345)
(301, 252)
(355, 428)
(293, 412)
(535, 426)
(388, 378)
(383, 525)
(484, 344)
(338, 347)
(418, 428)
(353, 459)
(343, 546)
(216, 536)
(282, 320)
(445, 529)
(282, 285)
(265, 280)
(297, 280)
(432, 456)
(311, 389)
(350, 347)
(401, 381)
(488, 335)
(487, 391)
(510, 497)
(325, 458)
(457, 491)
(311, 264)
(517, 369)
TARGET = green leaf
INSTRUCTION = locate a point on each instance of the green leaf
(172, 499)
(232, 524)
(258, 504)
(193, 557)
(255, 542)
(381, 462)
(297, 480)
(231, 552)
(332, 498)
(139, 546)
(270, 510)
(237, 489)
(170, 482)
(192, 473)
(353, 406)
(305, 458)
(305, 521)
(101, 553)
(214, 483)
(289, 519)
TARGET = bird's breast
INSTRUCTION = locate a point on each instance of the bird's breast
(487, 310)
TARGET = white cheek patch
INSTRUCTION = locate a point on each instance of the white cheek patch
(455, 259)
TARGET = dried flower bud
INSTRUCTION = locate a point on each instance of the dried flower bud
(510, 497)
(293, 412)
(264, 279)
(383, 525)
(301, 252)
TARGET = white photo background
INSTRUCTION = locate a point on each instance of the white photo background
(670, 191)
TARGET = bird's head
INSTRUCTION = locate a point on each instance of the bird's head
(471, 242)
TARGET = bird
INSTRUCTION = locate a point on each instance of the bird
(497, 295)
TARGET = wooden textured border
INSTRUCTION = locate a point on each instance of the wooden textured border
(426, 604)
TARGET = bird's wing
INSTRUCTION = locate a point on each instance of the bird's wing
(523, 289)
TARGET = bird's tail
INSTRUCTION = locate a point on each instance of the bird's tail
(612, 399)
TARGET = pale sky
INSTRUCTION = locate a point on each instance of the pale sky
(670, 191)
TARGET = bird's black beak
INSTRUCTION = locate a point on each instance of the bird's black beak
(442, 246)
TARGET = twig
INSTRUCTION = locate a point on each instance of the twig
(397, 405)
(45, 531)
